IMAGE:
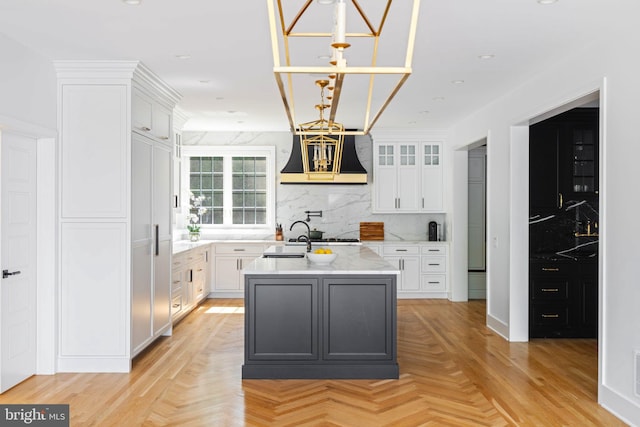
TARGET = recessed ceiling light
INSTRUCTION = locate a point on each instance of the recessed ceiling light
(183, 56)
(132, 2)
(326, 1)
(424, 112)
(438, 98)
(324, 57)
(547, 1)
(204, 82)
(457, 82)
(219, 98)
(486, 56)
(412, 122)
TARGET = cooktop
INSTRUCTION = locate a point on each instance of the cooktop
(331, 239)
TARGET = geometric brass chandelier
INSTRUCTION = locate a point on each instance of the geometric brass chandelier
(336, 74)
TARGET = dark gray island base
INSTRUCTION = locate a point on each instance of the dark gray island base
(313, 326)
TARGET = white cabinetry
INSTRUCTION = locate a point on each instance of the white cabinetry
(407, 175)
(190, 280)
(114, 214)
(407, 259)
(396, 175)
(423, 267)
(151, 240)
(434, 261)
(230, 259)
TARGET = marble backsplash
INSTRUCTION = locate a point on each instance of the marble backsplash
(343, 206)
(570, 233)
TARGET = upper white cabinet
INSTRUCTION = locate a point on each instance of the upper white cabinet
(407, 175)
(432, 199)
(150, 117)
(115, 192)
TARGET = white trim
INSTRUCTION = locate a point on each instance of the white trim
(46, 294)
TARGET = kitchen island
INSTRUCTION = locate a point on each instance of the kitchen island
(307, 320)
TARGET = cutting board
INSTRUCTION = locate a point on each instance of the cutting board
(372, 231)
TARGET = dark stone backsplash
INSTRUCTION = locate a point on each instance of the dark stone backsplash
(570, 233)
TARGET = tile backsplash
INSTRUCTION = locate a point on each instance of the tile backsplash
(343, 206)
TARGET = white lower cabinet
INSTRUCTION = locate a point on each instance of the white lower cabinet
(423, 267)
(229, 260)
(190, 280)
(407, 258)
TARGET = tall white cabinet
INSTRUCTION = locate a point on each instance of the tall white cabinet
(407, 174)
(115, 191)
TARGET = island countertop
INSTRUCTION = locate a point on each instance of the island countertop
(350, 260)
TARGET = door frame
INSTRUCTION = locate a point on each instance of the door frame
(46, 239)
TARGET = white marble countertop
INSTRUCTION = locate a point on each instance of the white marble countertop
(350, 260)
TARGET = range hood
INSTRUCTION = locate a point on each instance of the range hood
(351, 170)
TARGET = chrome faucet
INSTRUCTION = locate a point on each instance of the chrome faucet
(308, 236)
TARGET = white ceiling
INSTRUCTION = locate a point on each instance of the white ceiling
(228, 82)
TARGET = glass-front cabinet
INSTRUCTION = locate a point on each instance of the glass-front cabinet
(407, 176)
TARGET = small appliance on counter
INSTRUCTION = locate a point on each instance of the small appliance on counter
(433, 231)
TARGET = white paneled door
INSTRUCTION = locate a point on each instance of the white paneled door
(18, 236)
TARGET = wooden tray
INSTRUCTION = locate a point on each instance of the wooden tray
(372, 231)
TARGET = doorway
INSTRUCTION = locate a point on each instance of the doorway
(18, 257)
(477, 241)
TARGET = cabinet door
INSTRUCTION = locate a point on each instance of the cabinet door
(161, 122)
(385, 177)
(141, 111)
(409, 267)
(141, 241)
(162, 159)
(410, 274)
(227, 273)
(409, 199)
(284, 315)
(162, 287)
(544, 190)
(432, 186)
(356, 318)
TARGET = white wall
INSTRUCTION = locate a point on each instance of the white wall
(611, 67)
(343, 206)
(27, 87)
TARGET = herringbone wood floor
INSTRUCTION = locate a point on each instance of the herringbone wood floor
(454, 372)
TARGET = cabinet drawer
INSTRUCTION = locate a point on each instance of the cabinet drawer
(434, 264)
(434, 250)
(434, 282)
(556, 315)
(401, 250)
(550, 269)
(549, 289)
(178, 261)
(176, 305)
(239, 249)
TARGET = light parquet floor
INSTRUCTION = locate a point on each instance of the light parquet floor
(454, 372)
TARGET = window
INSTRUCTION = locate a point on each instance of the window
(236, 186)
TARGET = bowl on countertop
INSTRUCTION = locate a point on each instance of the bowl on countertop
(321, 258)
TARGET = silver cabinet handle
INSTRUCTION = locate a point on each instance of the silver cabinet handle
(157, 240)
(146, 129)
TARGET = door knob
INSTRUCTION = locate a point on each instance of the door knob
(5, 273)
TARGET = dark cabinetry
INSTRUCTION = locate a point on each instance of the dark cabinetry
(563, 225)
(320, 326)
(563, 299)
(564, 159)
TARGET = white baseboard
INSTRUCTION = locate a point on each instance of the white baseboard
(628, 411)
(94, 364)
(498, 326)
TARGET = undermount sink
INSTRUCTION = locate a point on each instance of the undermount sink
(284, 255)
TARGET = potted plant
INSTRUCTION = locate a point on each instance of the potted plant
(194, 217)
